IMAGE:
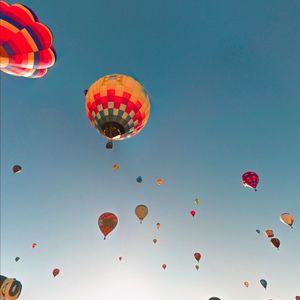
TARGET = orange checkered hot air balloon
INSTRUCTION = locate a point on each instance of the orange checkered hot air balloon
(25, 44)
(117, 106)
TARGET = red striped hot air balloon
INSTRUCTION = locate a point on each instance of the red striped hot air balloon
(25, 44)
(250, 179)
(117, 106)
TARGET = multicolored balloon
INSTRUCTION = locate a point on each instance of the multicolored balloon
(141, 211)
(10, 288)
(157, 226)
(17, 169)
(269, 233)
(55, 272)
(26, 45)
(117, 106)
(107, 222)
(250, 179)
(287, 219)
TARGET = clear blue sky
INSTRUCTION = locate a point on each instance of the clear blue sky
(223, 79)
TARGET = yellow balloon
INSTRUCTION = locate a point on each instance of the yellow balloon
(287, 219)
(141, 212)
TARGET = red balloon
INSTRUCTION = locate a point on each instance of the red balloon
(164, 266)
(297, 298)
(34, 245)
(193, 213)
(275, 242)
(107, 223)
(250, 179)
(197, 256)
(55, 272)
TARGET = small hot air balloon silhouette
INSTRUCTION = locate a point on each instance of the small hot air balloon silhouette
(34, 245)
(257, 231)
(287, 219)
(246, 284)
(120, 258)
(17, 259)
(275, 242)
(250, 179)
(264, 283)
(116, 167)
(154, 241)
(197, 267)
(17, 169)
(139, 179)
(160, 181)
(197, 256)
(214, 298)
(164, 266)
(197, 200)
(107, 222)
(55, 272)
(269, 233)
(141, 211)
(157, 226)
(193, 213)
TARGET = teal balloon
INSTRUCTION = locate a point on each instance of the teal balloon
(139, 179)
(17, 259)
(263, 283)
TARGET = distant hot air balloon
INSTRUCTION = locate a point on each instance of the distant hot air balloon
(107, 222)
(164, 266)
(197, 267)
(10, 288)
(250, 179)
(287, 219)
(214, 298)
(275, 242)
(197, 200)
(141, 212)
(139, 179)
(257, 231)
(116, 167)
(197, 256)
(264, 283)
(193, 213)
(160, 181)
(269, 233)
(246, 284)
(154, 241)
(297, 298)
(117, 106)
(17, 169)
(55, 272)
(120, 258)
(34, 245)
(17, 259)
(25, 44)
(157, 226)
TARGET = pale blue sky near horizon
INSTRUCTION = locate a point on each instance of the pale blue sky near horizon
(224, 85)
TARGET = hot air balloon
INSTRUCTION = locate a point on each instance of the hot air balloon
(264, 283)
(164, 266)
(17, 169)
(25, 44)
(214, 298)
(55, 272)
(269, 233)
(275, 242)
(197, 256)
(117, 106)
(287, 219)
(246, 284)
(10, 288)
(193, 213)
(34, 245)
(17, 259)
(116, 167)
(154, 241)
(107, 222)
(297, 298)
(157, 226)
(139, 179)
(141, 212)
(160, 181)
(250, 179)
(120, 258)
(197, 200)
(257, 231)
(197, 267)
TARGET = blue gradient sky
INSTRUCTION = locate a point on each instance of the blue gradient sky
(223, 78)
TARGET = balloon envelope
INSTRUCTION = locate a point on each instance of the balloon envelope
(297, 298)
(34, 245)
(192, 213)
(55, 272)
(107, 222)
(154, 241)
(275, 242)
(17, 259)
(116, 167)
(25, 43)
(246, 284)
(197, 256)
(141, 212)
(197, 200)
(164, 266)
(120, 258)
(157, 225)
(264, 283)
(10, 288)
(250, 179)
(214, 298)
(197, 267)
(160, 181)
(139, 179)
(17, 169)
(269, 233)
(258, 231)
(287, 219)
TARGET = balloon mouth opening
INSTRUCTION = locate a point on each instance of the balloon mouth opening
(112, 130)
